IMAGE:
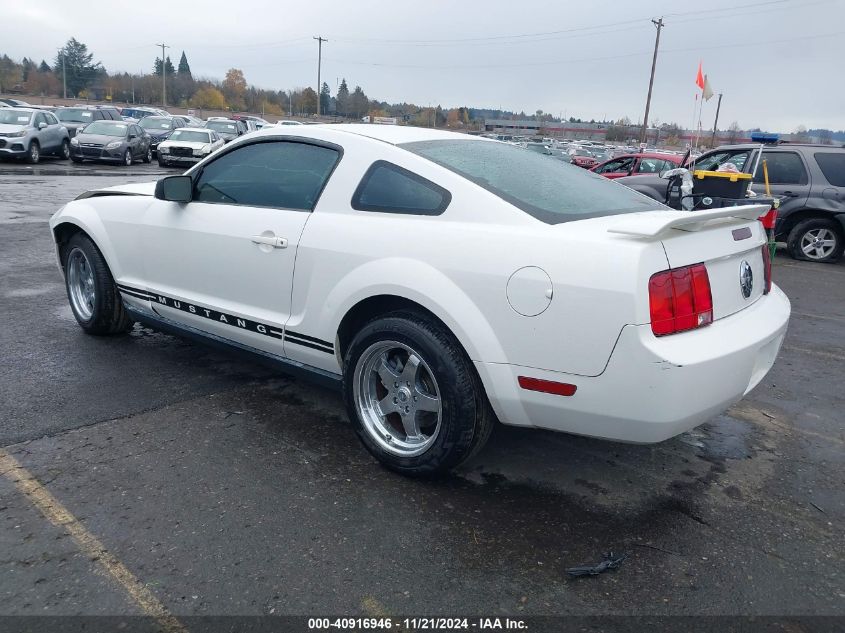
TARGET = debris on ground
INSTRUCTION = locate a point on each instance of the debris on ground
(609, 561)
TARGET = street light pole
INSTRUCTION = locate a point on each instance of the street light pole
(659, 24)
(320, 41)
(163, 77)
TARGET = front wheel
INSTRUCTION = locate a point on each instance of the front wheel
(163, 163)
(76, 159)
(91, 290)
(413, 395)
(148, 156)
(816, 240)
(64, 152)
(34, 153)
(127, 157)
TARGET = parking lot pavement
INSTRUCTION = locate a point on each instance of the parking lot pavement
(223, 488)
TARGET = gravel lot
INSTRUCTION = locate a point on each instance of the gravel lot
(224, 488)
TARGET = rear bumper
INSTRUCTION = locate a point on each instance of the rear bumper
(653, 388)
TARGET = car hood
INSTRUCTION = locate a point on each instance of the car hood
(133, 189)
(101, 139)
(178, 143)
(159, 133)
(5, 128)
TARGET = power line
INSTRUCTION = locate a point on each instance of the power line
(722, 11)
(571, 60)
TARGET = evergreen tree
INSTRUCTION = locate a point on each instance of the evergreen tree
(168, 65)
(325, 98)
(79, 66)
(184, 67)
(44, 67)
(343, 98)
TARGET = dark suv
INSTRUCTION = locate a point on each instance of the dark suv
(809, 180)
(77, 117)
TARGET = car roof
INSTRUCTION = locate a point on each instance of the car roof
(192, 128)
(395, 134)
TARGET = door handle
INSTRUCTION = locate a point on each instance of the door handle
(275, 242)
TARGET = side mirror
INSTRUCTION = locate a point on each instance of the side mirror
(42, 125)
(175, 189)
(131, 136)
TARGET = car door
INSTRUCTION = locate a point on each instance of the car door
(46, 136)
(55, 128)
(223, 263)
(788, 178)
(617, 168)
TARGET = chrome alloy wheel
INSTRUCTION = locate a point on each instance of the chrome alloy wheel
(80, 283)
(397, 398)
(818, 243)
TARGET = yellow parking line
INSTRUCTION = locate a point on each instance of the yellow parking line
(90, 545)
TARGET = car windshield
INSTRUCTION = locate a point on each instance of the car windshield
(154, 123)
(713, 161)
(75, 115)
(14, 117)
(189, 137)
(106, 128)
(551, 191)
(222, 126)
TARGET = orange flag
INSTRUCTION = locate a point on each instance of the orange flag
(699, 79)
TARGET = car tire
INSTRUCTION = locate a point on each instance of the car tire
(162, 163)
(148, 156)
(64, 150)
(816, 240)
(33, 154)
(93, 295)
(75, 159)
(127, 158)
(446, 417)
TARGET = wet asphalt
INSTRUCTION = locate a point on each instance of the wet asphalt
(227, 488)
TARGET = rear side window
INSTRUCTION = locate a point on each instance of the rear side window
(392, 189)
(785, 168)
(832, 165)
(549, 190)
(276, 174)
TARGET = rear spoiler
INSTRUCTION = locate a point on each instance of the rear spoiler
(653, 223)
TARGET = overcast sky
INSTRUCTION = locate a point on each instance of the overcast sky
(779, 63)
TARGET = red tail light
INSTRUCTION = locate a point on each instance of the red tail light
(769, 218)
(680, 300)
(767, 269)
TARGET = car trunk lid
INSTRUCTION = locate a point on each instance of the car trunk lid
(727, 241)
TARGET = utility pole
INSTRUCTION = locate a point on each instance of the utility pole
(659, 24)
(163, 77)
(716, 122)
(320, 41)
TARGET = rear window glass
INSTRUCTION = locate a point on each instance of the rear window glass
(546, 188)
(832, 165)
(389, 188)
(785, 168)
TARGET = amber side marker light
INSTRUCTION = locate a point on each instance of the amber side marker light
(547, 386)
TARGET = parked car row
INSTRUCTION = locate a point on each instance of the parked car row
(110, 134)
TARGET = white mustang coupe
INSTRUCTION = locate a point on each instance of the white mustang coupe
(445, 281)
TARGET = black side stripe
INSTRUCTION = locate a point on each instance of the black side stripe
(310, 339)
(229, 319)
(319, 348)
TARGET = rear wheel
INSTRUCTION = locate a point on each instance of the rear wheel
(413, 396)
(91, 290)
(33, 155)
(816, 240)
